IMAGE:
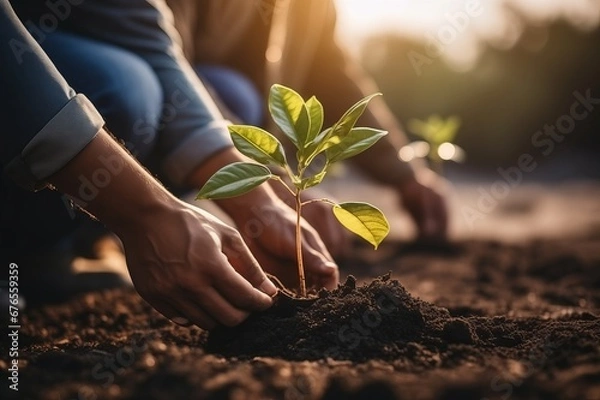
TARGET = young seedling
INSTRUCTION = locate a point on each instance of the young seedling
(302, 122)
(437, 146)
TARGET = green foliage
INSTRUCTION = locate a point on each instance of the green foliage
(316, 116)
(338, 132)
(436, 130)
(313, 180)
(258, 144)
(364, 220)
(234, 180)
(290, 113)
(357, 141)
(302, 122)
(438, 134)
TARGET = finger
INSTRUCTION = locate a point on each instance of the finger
(191, 311)
(425, 214)
(179, 316)
(332, 236)
(242, 260)
(166, 310)
(321, 220)
(341, 245)
(218, 308)
(318, 261)
(240, 292)
(329, 281)
(443, 216)
(284, 269)
(436, 218)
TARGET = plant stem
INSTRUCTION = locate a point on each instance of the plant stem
(285, 185)
(437, 165)
(323, 200)
(301, 275)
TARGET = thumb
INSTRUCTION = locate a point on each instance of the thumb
(319, 265)
(244, 262)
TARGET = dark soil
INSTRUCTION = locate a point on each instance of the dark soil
(493, 321)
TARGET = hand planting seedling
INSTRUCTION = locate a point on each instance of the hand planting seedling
(436, 145)
(302, 122)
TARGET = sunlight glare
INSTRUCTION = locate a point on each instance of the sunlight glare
(496, 24)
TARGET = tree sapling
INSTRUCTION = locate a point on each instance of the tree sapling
(302, 122)
(437, 146)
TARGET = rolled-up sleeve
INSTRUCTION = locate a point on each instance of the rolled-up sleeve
(191, 128)
(43, 122)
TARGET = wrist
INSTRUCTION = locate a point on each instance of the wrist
(407, 183)
(385, 167)
(142, 214)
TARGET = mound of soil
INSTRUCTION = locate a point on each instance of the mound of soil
(375, 321)
(382, 321)
(491, 320)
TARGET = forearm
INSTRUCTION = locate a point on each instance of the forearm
(108, 183)
(388, 169)
(191, 129)
(348, 82)
(44, 123)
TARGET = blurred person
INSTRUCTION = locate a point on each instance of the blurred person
(182, 260)
(248, 45)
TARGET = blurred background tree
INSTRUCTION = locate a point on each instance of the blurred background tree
(505, 83)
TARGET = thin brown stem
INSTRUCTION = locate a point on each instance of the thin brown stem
(285, 185)
(301, 275)
(323, 200)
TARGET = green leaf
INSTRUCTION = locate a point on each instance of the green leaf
(316, 147)
(316, 115)
(364, 220)
(257, 144)
(420, 128)
(436, 130)
(447, 131)
(290, 113)
(357, 141)
(339, 130)
(350, 117)
(234, 180)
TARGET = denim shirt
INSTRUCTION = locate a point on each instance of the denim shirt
(44, 124)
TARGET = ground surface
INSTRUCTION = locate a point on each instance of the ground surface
(494, 320)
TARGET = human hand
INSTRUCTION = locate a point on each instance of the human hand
(422, 197)
(192, 267)
(268, 226)
(185, 262)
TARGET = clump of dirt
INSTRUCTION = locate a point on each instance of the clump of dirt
(383, 321)
(489, 324)
(380, 320)
(374, 321)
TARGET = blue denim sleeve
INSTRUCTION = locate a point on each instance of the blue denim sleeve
(192, 128)
(43, 123)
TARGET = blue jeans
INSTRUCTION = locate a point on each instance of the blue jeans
(128, 95)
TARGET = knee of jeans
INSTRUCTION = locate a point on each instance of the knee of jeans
(249, 106)
(133, 107)
(236, 91)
